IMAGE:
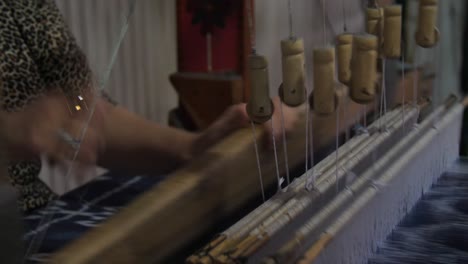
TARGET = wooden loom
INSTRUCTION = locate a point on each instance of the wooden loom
(155, 225)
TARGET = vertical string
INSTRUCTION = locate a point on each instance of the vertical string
(251, 27)
(252, 44)
(291, 32)
(345, 27)
(384, 93)
(285, 146)
(337, 143)
(347, 124)
(403, 75)
(415, 78)
(258, 160)
(311, 148)
(324, 23)
(276, 155)
(306, 172)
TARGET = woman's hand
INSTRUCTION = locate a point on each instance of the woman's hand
(53, 126)
(235, 117)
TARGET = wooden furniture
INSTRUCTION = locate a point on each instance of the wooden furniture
(213, 46)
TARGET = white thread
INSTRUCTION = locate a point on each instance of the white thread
(384, 93)
(324, 23)
(345, 28)
(336, 147)
(250, 22)
(307, 141)
(285, 146)
(415, 79)
(276, 155)
(291, 34)
(403, 87)
(258, 160)
(311, 151)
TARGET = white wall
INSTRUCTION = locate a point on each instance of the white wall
(272, 26)
(139, 79)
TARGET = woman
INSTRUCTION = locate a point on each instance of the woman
(44, 74)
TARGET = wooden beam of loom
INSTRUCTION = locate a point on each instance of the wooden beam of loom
(190, 200)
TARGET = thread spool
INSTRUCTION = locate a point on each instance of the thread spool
(392, 31)
(364, 68)
(344, 51)
(323, 100)
(374, 24)
(293, 92)
(427, 34)
(260, 107)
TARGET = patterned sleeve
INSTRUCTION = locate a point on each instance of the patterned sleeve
(61, 62)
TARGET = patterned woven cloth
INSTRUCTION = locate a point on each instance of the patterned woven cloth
(81, 210)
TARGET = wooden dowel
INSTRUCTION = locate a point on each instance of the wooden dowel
(374, 24)
(293, 89)
(260, 107)
(324, 100)
(427, 34)
(392, 32)
(364, 68)
(344, 51)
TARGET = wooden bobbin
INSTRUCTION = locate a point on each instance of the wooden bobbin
(392, 32)
(260, 107)
(364, 69)
(427, 34)
(344, 52)
(323, 99)
(293, 91)
(374, 23)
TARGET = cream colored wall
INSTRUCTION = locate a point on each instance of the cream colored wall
(445, 58)
(272, 26)
(139, 79)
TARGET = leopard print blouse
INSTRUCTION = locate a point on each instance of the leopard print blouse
(37, 53)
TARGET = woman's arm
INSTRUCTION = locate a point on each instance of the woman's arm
(135, 144)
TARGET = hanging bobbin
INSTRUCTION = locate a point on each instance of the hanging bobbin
(374, 23)
(260, 106)
(293, 91)
(323, 99)
(427, 34)
(392, 32)
(344, 51)
(364, 68)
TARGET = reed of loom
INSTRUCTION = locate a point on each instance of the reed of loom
(440, 218)
(242, 240)
(249, 235)
(377, 201)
